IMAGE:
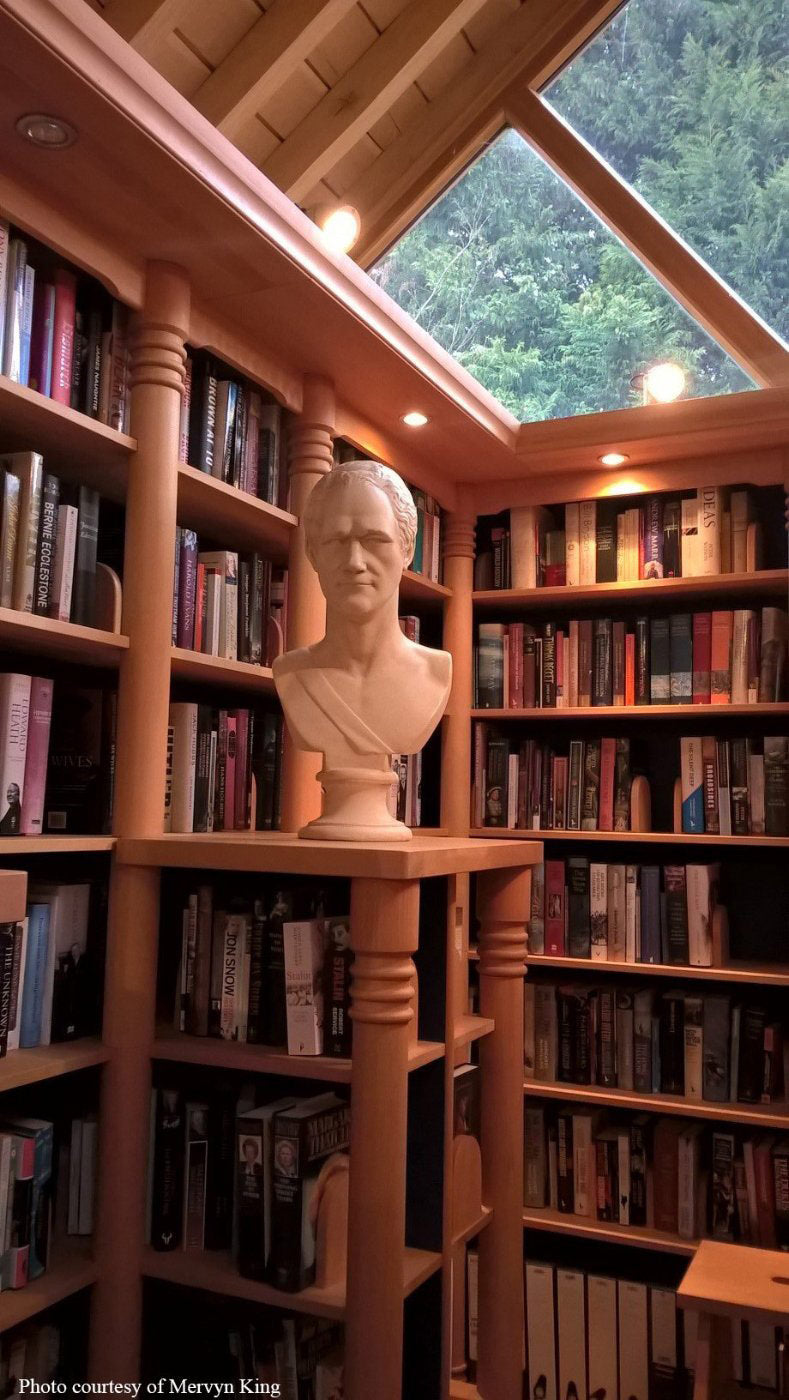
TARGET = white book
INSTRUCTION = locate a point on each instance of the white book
(693, 1048)
(726, 542)
(183, 719)
(225, 561)
(617, 914)
(744, 619)
(68, 930)
(541, 1331)
(688, 1168)
(244, 968)
(598, 911)
(15, 1016)
(602, 1333)
(232, 959)
(588, 541)
(572, 544)
(689, 537)
(572, 665)
(584, 1166)
(571, 1326)
(14, 297)
(523, 546)
(304, 949)
(633, 1347)
(701, 883)
(692, 785)
(75, 1171)
(631, 912)
(212, 617)
(65, 555)
(14, 717)
(623, 1174)
(512, 791)
(87, 1175)
(28, 466)
(663, 1316)
(710, 526)
(633, 537)
(740, 520)
(472, 1302)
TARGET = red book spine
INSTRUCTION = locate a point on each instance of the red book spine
(555, 576)
(630, 668)
(765, 1193)
(702, 651)
(230, 776)
(36, 757)
(199, 607)
(607, 766)
(561, 679)
(619, 663)
(63, 337)
(516, 665)
(554, 908)
(240, 776)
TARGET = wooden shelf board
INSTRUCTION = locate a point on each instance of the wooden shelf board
(764, 584)
(664, 838)
(463, 1390)
(641, 1236)
(761, 974)
(65, 641)
(591, 1095)
(416, 588)
(217, 670)
(734, 1278)
(469, 1028)
(264, 1059)
(215, 1272)
(71, 1269)
(21, 1067)
(72, 445)
(285, 853)
(53, 845)
(230, 516)
(630, 712)
(473, 1228)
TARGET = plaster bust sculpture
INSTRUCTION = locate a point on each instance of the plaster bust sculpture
(364, 692)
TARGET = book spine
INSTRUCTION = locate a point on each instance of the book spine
(692, 786)
(84, 600)
(63, 335)
(642, 662)
(39, 722)
(65, 557)
(702, 643)
(588, 541)
(47, 541)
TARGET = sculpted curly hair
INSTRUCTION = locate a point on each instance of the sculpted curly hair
(393, 487)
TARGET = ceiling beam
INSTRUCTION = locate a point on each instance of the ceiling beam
(411, 42)
(266, 56)
(142, 22)
(746, 337)
(533, 44)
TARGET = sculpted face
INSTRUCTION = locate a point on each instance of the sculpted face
(357, 554)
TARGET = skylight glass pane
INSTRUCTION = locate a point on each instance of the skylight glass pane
(688, 100)
(514, 276)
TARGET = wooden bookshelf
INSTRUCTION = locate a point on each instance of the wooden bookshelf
(470, 1028)
(218, 670)
(661, 838)
(71, 1269)
(231, 517)
(76, 447)
(61, 641)
(773, 1115)
(584, 713)
(607, 1232)
(418, 591)
(474, 1227)
(752, 974)
(53, 845)
(765, 583)
(263, 1059)
(22, 1067)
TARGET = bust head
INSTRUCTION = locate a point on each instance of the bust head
(360, 529)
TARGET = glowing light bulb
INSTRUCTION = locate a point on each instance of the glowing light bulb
(665, 382)
(341, 228)
(613, 459)
(415, 419)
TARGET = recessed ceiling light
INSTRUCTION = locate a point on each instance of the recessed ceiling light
(49, 133)
(415, 419)
(613, 459)
(340, 227)
(665, 382)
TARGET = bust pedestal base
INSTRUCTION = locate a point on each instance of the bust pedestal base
(355, 807)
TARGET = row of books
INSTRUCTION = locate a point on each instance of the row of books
(405, 799)
(229, 431)
(624, 913)
(699, 1047)
(427, 558)
(735, 787)
(57, 756)
(223, 769)
(687, 1179)
(616, 1339)
(34, 1351)
(229, 1172)
(226, 606)
(532, 787)
(711, 531)
(48, 990)
(47, 1182)
(720, 658)
(297, 1358)
(62, 335)
(251, 972)
(48, 542)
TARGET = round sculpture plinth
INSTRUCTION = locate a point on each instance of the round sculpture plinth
(355, 807)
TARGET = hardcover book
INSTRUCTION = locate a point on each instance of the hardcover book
(306, 1136)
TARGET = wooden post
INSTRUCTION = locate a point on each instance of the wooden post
(157, 373)
(502, 905)
(384, 934)
(458, 639)
(309, 458)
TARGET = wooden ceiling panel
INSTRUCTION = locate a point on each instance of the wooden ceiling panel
(256, 140)
(408, 107)
(180, 66)
(213, 30)
(446, 66)
(322, 193)
(293, 101)
(384, 131)
(382, 12)
(484, 25)
(346, 43)
(353, 165)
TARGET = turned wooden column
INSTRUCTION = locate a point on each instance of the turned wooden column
(384, 934)
(309, 458)
(459, 527)
(157, 374)
(502, 906)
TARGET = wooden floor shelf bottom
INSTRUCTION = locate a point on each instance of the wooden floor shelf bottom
(71, 1269)
(216, 1273)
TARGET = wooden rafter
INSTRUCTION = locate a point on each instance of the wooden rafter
(261, 61)
(411, 42)
(142, 22)
(746, 337)
(532, 44)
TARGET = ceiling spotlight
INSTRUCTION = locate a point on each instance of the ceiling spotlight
(415, 419)
(662, 383)
(49, 133)
(340, 226)
(613, 459)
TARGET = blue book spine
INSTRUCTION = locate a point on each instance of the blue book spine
(692, 787)
(650, 914)
(35, 976)
(27, 323)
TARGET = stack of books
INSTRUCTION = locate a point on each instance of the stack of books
(735, 787)
(533, 787)
(229, 431)
(226, 606)
(223, 769)
(48, 542)
(49, 978)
